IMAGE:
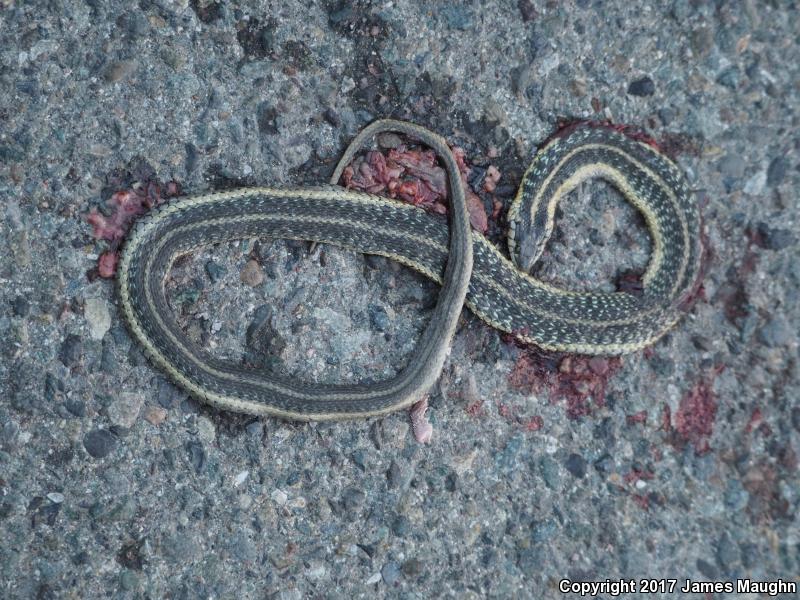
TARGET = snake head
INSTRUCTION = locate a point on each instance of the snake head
(528, 252)
(527, 243)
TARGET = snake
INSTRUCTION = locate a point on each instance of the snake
(471, 270)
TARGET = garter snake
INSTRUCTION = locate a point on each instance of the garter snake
(495, 289)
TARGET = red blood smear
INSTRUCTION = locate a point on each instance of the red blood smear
(694, 420)
(413, 175)
(126, 206)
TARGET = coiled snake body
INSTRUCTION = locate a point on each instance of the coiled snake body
(494, 289)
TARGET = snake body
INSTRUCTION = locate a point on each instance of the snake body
(495, 289)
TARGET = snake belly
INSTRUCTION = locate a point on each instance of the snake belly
(498, 291)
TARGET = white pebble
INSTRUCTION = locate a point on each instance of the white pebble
(755, 185)
(298, 502)
(206, 430)
(240, 478)
(98, 318)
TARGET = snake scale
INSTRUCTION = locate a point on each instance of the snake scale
(470, 269)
